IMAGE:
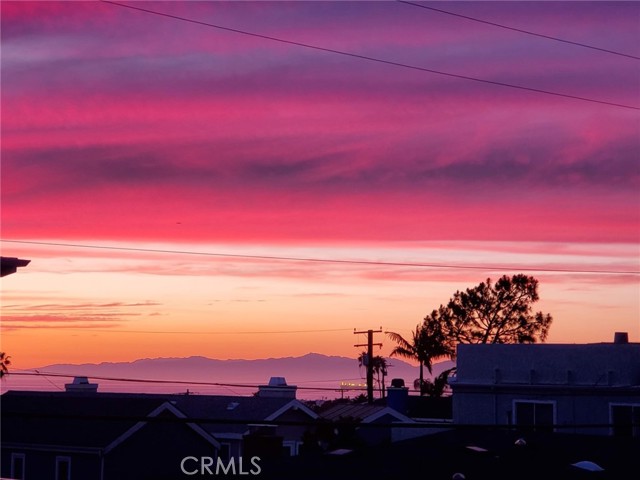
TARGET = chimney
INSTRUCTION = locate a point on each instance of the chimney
(277, 388)
(398, 396)
(81, 385)
(621, 338)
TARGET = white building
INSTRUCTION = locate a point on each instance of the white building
(571, 388)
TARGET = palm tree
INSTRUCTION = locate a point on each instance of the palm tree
(379, 366)
(426, 345)
(4, 364)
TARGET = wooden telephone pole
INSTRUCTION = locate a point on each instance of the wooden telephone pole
(369, 346)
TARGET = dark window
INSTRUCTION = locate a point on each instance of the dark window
(524, 414)
(17, 466)
(534, 416)
(63, 468)
(625, 420)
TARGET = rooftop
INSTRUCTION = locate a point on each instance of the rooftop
(9, 265)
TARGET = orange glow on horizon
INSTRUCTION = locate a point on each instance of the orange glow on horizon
(78, 306)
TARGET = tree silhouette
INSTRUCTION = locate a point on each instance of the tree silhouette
(427, 344)
(4, 364)
(492, 313)
(437, 386)
(487, 313)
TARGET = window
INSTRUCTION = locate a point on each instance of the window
(625, 420)
(534, 416)
(17, 466)
(63, 468)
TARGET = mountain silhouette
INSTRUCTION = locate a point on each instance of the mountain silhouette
(312, 373)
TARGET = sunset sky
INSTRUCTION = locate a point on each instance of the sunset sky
(190, 150)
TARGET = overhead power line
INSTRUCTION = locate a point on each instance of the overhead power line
(548, 37)
(40, 373)
(178, 332)
(505, 268)
(369, 58)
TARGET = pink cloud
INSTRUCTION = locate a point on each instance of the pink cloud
(11, 323)
(288, 216)
(133, 123)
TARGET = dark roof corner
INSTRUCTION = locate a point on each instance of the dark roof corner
(10, 265)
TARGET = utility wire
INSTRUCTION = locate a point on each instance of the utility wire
(29, 372)
(180, 332)
(369, 58)
(549, 37)
(178, 382)
(329, 260)
(47, 379)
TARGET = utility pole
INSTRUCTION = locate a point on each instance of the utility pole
(369, 346)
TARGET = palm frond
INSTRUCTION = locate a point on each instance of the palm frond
(403, 352)
(400, 340)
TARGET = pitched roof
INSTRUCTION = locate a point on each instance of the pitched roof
(57, 418)
(214, 413)
(362, 412)
(232, 414)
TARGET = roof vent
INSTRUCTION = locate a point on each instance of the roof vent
(277, 388)
(81, 385)
(621, 338)
(397, 382)
(277, 382)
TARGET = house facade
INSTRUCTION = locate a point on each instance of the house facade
(570, 388)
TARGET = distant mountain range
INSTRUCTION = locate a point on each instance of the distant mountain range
(308, 372)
